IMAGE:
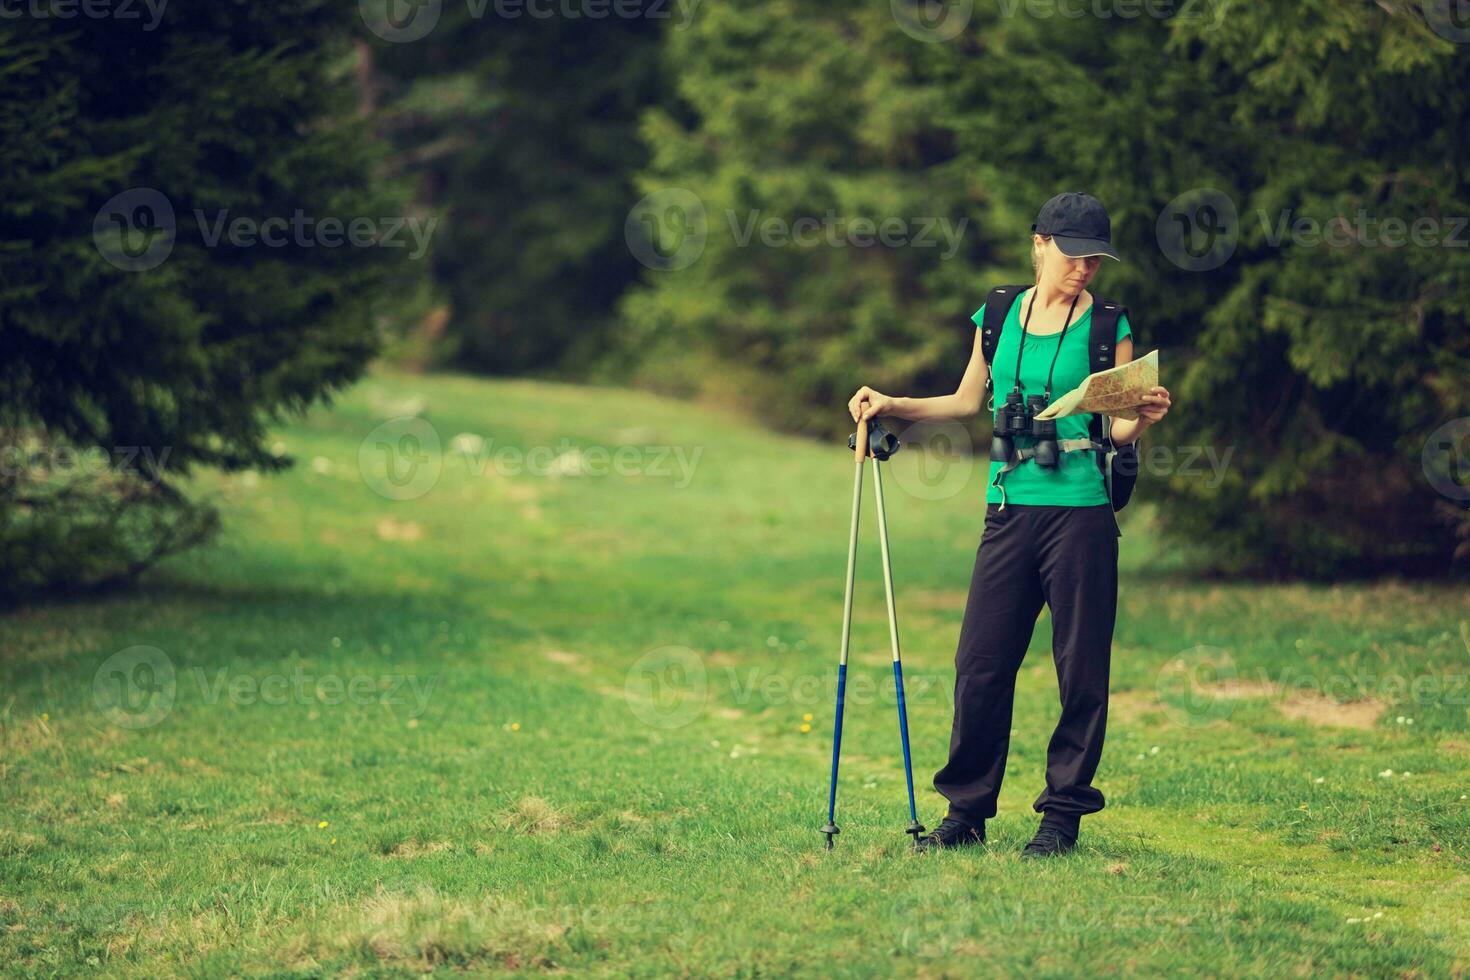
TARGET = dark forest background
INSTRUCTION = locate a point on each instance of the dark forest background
(1287, 182)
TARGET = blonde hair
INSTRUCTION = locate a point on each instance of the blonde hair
(1036, 255)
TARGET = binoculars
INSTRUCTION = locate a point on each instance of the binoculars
(1016, 418)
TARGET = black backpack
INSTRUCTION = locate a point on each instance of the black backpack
(1117, 464)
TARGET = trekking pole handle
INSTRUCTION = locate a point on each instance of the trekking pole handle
(860, 446)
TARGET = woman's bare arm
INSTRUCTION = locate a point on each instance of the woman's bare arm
(963, 403)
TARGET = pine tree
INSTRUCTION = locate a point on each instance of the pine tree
(1321, 369)
(802, 128)
(124, 328)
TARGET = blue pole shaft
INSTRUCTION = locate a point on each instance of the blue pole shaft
(903, 730)
(837, 741)
(852, 535)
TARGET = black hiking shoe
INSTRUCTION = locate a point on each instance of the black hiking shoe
(951, 833)
(1049, 841)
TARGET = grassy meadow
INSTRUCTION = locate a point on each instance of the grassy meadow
(555, 696)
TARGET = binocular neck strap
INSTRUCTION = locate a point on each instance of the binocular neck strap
(1025, 323)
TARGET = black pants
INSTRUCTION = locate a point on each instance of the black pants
(1066, 557)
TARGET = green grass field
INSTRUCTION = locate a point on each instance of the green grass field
(569, 709)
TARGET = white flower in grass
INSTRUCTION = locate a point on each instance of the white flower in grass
(1386, 773)
(568, 463)
(1154, 750)
(1320, 779)
(467, 444)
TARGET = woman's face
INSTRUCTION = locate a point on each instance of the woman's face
(1064, 273)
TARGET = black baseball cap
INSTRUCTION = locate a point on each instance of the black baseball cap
(1079, 224)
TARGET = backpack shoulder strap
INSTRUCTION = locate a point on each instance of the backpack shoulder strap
(997, 306)
(1101, 354)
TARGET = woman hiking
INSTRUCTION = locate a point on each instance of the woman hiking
(1050, 537)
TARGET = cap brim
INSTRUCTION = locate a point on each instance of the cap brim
(1081, 248)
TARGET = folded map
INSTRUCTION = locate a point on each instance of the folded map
(1117, 392)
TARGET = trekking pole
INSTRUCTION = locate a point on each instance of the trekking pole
(915, 828)
(860, 451)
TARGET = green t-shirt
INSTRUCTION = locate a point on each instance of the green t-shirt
(1076, 480)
